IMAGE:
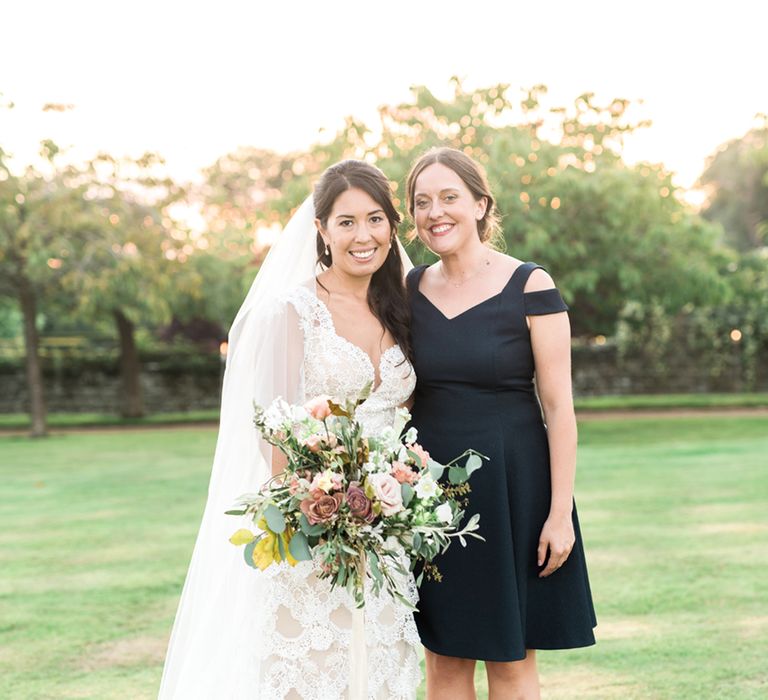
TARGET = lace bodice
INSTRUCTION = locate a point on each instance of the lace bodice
(333, 365)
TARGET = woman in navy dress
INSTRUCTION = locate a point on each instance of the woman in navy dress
(483, 324)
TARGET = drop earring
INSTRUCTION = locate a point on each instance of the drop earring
(327, 249)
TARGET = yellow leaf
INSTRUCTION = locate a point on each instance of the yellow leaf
(242, 537)
(263, 552)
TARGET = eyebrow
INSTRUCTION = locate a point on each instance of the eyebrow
(352, 216)
(445, 189)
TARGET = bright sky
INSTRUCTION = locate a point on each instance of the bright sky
(194, 80)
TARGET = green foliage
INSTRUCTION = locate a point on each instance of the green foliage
(10, 320)
(717, 335)
(129, 255)
(610, 234)
(736, 178)
(628, 255)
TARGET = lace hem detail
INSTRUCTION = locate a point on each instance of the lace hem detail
(308, 633)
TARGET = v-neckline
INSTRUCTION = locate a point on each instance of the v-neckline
(474, 306)
(354, 346)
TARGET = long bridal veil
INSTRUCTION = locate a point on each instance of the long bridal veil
(214, 649)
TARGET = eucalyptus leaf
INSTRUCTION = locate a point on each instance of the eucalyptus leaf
(235, 512)
(416, 540)
(457, 475)
(310, 530)
(435, 469)
(299, 547)
(407, 491)
(248, 554)
(472, 464)
(414, 456)
(275, 519)
(281, 548)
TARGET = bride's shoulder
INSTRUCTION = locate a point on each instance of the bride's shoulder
(299, 296)
(301, 302)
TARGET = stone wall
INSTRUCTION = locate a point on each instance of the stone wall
(173, 385)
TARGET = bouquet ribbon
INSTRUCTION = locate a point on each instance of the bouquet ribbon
(358, 653)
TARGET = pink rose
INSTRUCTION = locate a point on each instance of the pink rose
(403, 473)
(359, 504)
(318, 407)
(387, 492)
(321, 508)
(421, 452)
(313, 443)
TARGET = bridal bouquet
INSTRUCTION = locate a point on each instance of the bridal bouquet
(359, 506)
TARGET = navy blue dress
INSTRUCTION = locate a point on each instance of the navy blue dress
(475, 389)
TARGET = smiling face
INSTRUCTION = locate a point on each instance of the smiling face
(445, 211)
(357, 232)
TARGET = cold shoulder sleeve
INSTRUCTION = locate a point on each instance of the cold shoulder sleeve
(544, 301)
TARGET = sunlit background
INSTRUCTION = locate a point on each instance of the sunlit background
(194, 80)
(120, 275)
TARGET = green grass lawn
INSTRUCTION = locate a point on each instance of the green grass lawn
(628, 402)
(96, 530)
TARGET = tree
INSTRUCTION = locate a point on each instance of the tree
(736, 179)
(37, 215)
(127, 264)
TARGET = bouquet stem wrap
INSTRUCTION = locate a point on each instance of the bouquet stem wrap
(358, 662)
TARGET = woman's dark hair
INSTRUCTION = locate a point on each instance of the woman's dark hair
(386, 293)
(474, 177)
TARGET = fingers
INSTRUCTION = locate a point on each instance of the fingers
(558, 554)
(542, 551)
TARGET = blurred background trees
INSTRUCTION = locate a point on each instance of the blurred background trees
(115, 247)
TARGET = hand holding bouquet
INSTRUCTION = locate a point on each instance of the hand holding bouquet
(359, 506)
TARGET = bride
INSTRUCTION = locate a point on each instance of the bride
(327, 314)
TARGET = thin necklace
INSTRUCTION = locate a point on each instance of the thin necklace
(485, 262)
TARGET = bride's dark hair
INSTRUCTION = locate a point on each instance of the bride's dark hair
(386, 293)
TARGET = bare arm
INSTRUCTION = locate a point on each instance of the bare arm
(284, 364)
(279, 461)
(551, 343)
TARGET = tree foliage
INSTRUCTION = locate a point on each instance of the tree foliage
(736, 179)
(610, 234)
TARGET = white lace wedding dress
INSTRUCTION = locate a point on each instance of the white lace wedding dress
(308, 627)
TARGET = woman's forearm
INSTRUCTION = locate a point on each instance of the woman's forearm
(562, 438)
(279, 461)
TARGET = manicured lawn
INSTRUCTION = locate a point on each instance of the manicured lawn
(96, 530)
(639, 402)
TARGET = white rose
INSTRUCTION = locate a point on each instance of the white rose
(444, 512)
(411, 435)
